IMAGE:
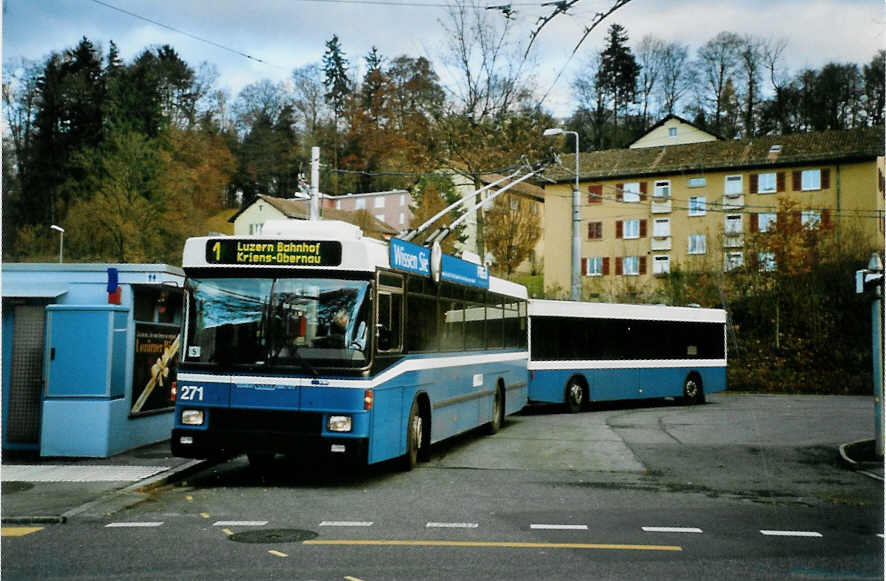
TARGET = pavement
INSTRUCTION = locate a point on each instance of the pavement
(38, 490)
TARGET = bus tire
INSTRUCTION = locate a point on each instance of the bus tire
(693, 391)
(414, 437)
(575, 395)
(498, 411)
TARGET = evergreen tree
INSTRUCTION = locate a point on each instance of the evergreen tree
(617, 75)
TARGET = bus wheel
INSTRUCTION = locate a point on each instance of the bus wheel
(414, 436)
(576, 396)
(260, 461)
(693, 393)
(498, 412)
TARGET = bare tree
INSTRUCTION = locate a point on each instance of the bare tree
(650, 57)
(676, 76)
(751, 57)
(308, 98)
(717, 61)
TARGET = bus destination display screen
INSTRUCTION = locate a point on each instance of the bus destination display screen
(273, 252)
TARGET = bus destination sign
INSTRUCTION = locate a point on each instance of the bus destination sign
(273, 252)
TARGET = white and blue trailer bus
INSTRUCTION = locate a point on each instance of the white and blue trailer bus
(312, 340)
(593, 352)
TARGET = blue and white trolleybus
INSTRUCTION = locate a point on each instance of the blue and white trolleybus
(311, 339)
(591, 352)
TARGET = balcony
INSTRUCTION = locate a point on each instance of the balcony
(731, 202)
(660, 243)
(733, 240)
(661, 205)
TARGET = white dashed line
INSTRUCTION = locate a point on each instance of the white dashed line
(240, 523)
(345, 523)
(672, 530)
(558, 527)
(452, 525)
(133, 524)
(790, 533)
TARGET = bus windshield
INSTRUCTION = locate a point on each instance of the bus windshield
(278, 322)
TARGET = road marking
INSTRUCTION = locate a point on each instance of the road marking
(240, 523)
(495, 544)
(204, 514)
(18, 531)
(228, 532)
(558, 527)
(790, 533)
(189, 498)
(134, 524)
(349, 578)
(345, 523)
(671, 530)
(278, 553)
(452, 525)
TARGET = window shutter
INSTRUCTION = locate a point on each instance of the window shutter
(619, 229)
(595, 194)
(642, 262)
(619, 192)
(642, 228)
(618, 265)
(606, 265)
(798, 181)
(826, 178)
(590, 230)
(755, 180)
(779, 179)
(644, 189)
(584, 266)
(826, 217)
(755, 223)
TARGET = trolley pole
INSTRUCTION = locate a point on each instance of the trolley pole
(872, 279)
(315, 183)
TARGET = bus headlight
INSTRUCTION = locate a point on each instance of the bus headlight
(192, 417)
(339, 423)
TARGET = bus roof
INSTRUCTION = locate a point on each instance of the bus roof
(549, 308)
(313, 245)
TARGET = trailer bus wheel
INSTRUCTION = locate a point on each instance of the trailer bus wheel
(414, 436)
(576, 395)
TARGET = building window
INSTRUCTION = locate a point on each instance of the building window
(631, 265)
(515, 204)
(810, 179)
(697, 244)
(733, 224)
(661, 227)
(255, 228)
(732, 260)
(360, 204)
(766, 183)
(661, 264)
(631, 229)
(379, 201)
(402, 199)
(595, 230)
(767, 261)
(697, 206)
(733, 185)
(402, 218)
(810, 218)
(595, 194)
(698, 182)
(380, 217)
(662, 189)
(631, 192)
(594, 266)
(338, 204)
(766, 222)
(672, 132)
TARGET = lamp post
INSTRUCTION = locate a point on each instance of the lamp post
(576, 219)
(61, 242)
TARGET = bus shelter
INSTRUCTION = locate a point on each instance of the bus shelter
(89, 355)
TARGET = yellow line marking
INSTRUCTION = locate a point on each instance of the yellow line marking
(278, 554)
(497, 544)
(204, 514)
(228, 532)
(18, 531)
(349, 578)
(189, 498)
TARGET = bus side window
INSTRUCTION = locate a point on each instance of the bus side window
(389, 326)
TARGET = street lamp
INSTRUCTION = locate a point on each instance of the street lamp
(576, 218)
(61, 241)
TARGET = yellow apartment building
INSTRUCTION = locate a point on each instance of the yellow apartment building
(681, 197)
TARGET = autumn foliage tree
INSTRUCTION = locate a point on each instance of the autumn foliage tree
(512, 231)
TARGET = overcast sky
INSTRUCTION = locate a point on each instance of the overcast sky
(286, 34)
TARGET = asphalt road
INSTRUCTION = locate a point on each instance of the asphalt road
(745, 487)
